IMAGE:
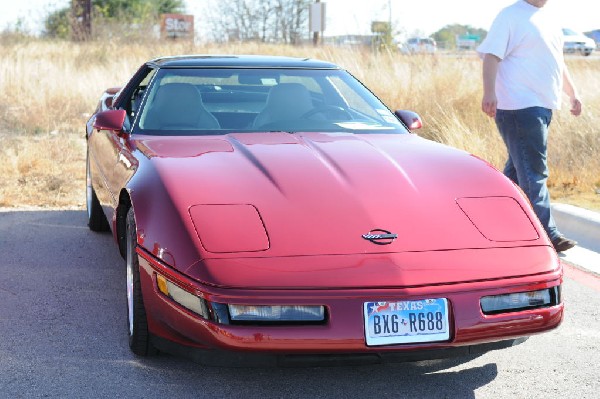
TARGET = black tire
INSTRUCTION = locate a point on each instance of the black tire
(137, 323)
(96, 218)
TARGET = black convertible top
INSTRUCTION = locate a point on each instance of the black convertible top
(239, 61)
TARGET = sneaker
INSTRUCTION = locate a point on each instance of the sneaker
(562, 243)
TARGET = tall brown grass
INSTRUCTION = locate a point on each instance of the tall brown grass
(49, 88)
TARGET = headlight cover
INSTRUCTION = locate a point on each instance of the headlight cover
(499, 219)
(229, 228)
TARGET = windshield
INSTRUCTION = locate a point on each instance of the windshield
(569, 32)
(199, 101)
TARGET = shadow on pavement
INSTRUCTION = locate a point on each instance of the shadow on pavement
(63, 329)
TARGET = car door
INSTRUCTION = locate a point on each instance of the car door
(110, 151)
(126, 162)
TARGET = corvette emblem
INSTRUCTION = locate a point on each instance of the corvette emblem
(380, 237)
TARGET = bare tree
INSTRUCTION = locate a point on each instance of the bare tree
(293, 19)
(261, 20)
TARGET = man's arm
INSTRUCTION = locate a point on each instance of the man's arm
(571, 91)
(490, 70)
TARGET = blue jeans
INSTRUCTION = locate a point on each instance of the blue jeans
(525, 133)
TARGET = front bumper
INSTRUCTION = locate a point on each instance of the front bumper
(578, 47)
(343, 333)
(217, 357)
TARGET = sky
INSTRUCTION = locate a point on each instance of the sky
(354, 16)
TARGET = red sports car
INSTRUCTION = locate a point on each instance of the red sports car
(272, 209)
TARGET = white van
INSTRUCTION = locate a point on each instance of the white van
(576, 42)
(419, 45)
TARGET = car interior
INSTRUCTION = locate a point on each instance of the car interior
(179, 106)
(222, 101)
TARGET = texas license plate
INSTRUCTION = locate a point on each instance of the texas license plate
(406, 322)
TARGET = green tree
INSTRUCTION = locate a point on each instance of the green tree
(58, 23)
(382, 35)
(135, 10)
(446, 37)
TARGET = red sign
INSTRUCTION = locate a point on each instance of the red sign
(175, 26)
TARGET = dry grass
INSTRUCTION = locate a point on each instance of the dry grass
(42, 170)
(50, 87)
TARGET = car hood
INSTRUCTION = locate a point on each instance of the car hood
(281, 195)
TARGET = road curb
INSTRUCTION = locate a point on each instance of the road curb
(579, 224)
(583, 226)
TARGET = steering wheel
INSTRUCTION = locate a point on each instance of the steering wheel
(327, 110)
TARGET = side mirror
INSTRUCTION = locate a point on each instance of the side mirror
(112, 119)
(412, 120)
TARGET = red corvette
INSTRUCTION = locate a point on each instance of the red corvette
(273, 209)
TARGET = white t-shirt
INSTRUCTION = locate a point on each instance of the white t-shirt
(530, 46)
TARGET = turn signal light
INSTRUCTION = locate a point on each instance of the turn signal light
(182, 297)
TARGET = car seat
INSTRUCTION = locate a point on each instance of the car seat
(286, 101)
(179, 106)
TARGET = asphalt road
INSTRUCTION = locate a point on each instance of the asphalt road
(62, 334)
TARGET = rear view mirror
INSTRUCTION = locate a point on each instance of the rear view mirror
(261, 78)
(112, 119)
(412, 120)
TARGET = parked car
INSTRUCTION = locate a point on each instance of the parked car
(575, 42)
(272, 210)
(419, 45)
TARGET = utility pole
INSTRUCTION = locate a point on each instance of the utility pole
(81, 19)
(316, 33)
(390, 39)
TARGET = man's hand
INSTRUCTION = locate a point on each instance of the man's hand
(489, 104)
(571, 91)
(576, 106)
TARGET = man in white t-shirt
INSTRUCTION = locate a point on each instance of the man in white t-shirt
(524, 74)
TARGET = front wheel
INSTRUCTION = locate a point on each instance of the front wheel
(139, 337)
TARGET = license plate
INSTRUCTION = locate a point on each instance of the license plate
(406, 322)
